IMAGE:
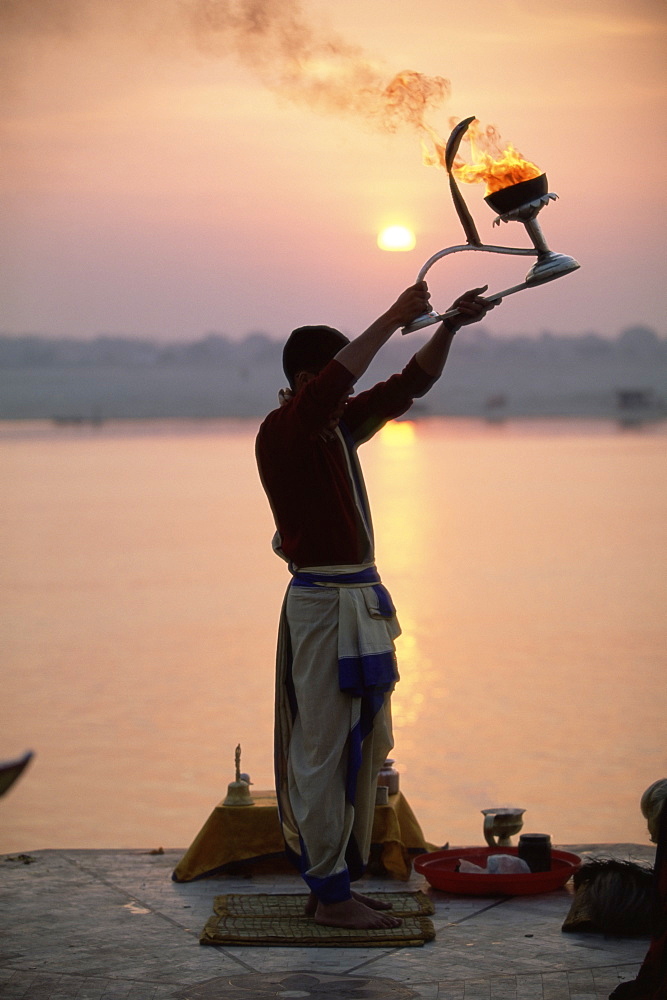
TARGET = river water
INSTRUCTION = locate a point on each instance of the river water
(140, 600)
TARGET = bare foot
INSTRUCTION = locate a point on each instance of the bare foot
(353, 914)
(374, 904)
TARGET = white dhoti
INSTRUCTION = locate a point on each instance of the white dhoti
(336, 668)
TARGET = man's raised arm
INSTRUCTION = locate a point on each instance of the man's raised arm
(414, 301)
(358, 354)
(471, 308)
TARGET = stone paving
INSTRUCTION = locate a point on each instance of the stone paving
(111, 925)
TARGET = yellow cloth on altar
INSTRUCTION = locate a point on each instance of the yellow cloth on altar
(241, 833)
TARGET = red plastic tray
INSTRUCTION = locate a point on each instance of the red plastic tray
(439, 869)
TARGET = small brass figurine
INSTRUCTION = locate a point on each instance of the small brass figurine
(238, 791)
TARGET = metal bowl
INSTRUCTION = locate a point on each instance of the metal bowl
(508, 199)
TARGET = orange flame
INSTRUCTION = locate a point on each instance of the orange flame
(493, 165)
(507, 169)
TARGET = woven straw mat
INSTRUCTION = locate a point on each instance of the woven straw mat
(265, 919)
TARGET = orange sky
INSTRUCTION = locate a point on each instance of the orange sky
(158, 183)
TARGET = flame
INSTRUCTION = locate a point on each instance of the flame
(503, 171)
(492, 165)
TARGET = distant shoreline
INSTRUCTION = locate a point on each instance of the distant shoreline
(491, 378)
(45, 429)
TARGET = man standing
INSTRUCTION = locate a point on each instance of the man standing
(336, 665)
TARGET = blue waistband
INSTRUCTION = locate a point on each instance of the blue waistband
(363, 578)
(368, 577)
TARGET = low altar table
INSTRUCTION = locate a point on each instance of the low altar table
(234, 834)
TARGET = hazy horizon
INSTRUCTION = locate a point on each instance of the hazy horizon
(109, 377)
(472, 335)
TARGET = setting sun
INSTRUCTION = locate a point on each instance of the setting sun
(396, 238)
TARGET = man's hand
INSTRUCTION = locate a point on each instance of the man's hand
(358, 354)
(471, 308)
(413, 302)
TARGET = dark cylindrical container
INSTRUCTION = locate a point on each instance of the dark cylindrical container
(535, 850)
(513, 196)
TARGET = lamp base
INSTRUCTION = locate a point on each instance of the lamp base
(551, 265)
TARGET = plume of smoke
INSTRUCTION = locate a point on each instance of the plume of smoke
(310, 64)
(297, 58)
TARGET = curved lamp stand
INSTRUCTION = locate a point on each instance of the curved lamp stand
(520, 202)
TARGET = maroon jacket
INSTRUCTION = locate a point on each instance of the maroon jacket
(305, 471)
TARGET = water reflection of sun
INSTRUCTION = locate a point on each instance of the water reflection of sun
(398, 432)
(409, 695)
(398, 474)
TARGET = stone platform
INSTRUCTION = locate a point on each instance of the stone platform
(112, 925)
